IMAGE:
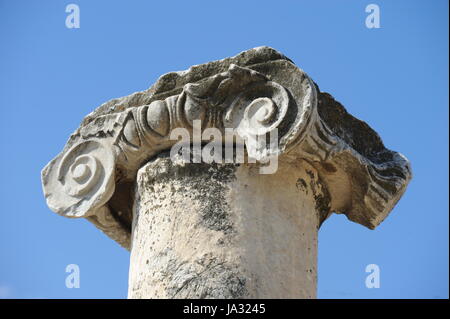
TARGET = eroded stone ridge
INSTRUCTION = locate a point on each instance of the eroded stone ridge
(94, 176)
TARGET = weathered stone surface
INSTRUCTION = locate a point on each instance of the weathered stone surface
(95, 174)
(225, 230)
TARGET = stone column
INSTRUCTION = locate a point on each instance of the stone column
(229, 229)
(225, 231)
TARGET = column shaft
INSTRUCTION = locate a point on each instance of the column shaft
(224, 231)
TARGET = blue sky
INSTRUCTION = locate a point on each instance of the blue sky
(395, 78)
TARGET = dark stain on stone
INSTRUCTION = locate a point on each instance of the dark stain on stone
(321, 196)
(214, 209)
(301, 185)
(329, 167)
(356, 133)
(120, 202)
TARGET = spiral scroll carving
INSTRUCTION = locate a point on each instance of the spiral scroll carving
(256, 112)
(85, 179)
